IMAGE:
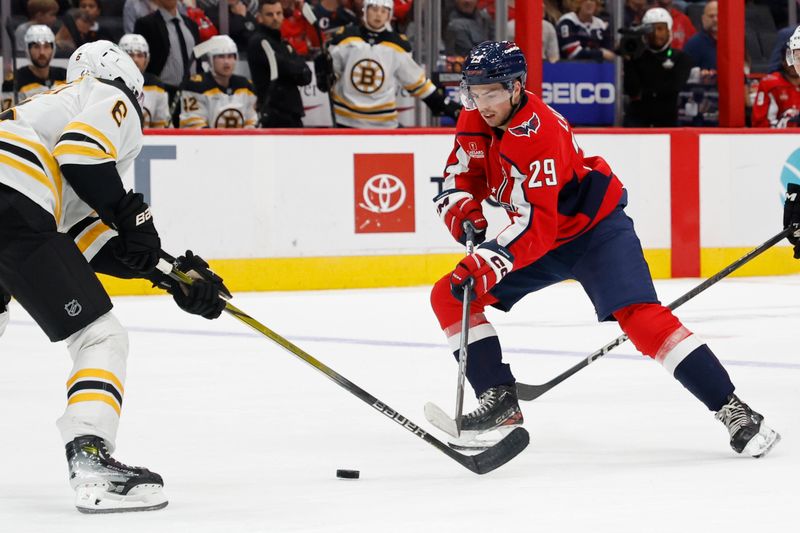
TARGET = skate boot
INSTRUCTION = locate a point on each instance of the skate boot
(104, 485)
(749, 433)
(496, 416)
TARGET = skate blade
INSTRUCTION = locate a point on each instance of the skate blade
(761, 444)
(95, 499)
(478, 441)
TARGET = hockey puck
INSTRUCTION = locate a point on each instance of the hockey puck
(347, 474)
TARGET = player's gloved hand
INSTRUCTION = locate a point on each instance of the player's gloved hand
(452, 109)
(791, 216)
(455, 207)
(203, 296)
(482, 270)
(323, 70)
(138, 244)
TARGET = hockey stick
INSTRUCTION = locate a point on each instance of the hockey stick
(311, 18)
(482, 463)
(531, 392)
(434, 413)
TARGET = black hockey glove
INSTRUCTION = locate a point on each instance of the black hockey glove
(203, 296)
(440, 107)
(138, 243)
(323, 70)
(791, 216)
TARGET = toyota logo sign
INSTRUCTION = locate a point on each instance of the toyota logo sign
(383, 193)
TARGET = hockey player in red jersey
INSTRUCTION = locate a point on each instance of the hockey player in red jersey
(566, 221)
(777, 102)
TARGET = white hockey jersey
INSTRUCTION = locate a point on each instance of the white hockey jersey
(156, 103)
(205, 104)
(87, 122)
(28, 84)
(368, 66)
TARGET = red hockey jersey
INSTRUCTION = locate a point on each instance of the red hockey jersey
(537, 172)
(777, 103)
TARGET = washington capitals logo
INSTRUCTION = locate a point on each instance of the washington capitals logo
(526, 128)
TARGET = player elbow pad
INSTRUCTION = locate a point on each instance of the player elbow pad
(98, 185)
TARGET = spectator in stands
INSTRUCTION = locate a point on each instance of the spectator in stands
(39, 12)
(219, 98)
(467, 26)
(682, 27)
(241, 22)
(703, 46)
(777, 55)
(205, 28)
(633, 12)
(212, 6)
(550, 51)
(171, 37)
(653, 80)
(777, 102)
(295, 29)
(38, 76)
(332, 15)
(80, 27)
(366, 64)
(136, 9)
(277, 71)
(155, 109)
(582, 35)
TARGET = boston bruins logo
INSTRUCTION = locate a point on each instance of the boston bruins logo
(367, 76)
(230, 118)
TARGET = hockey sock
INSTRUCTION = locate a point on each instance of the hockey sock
(696, 367)
(485, 367)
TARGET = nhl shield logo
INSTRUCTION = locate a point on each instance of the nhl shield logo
(526, 128)
(73, 308)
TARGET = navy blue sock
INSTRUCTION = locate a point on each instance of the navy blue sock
(703, 375)
(485, 366)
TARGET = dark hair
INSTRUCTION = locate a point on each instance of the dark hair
(41, 6)
(267, 2)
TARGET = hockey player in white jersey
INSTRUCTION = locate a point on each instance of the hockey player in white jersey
(156, 102)
(365, 65)
(61, 156)
(39, 75)
(218, 98)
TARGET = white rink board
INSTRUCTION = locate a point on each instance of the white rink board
(254, 196)
(741, 193)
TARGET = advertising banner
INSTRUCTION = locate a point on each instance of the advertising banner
(582, 91)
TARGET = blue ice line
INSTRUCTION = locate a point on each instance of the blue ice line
(419, 345)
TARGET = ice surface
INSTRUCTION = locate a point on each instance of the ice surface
(248, 438)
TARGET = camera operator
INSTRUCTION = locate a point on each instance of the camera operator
(653, 71)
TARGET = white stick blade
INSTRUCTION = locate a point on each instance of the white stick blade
(440, 420)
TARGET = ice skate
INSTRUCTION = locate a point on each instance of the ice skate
(748, 432)
(104, 485)
(496, 416)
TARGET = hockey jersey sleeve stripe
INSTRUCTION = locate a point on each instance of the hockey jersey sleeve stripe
(95, 134)
(81, 138)
(74, 149)
(389, 106)
(95, 397)
(93, 238)
(34, 161)
(31, 87)
(96, 373)
(193, 123)
(427, 86)
(41, 152)
(39, 176)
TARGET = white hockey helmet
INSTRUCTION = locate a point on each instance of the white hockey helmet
(215, 46)
(389, 4)
(656, 15)
(793, 50)
(105, 60)
(39, 34)
(133, 43)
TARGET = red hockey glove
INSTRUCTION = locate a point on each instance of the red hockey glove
(456, 207)
(791, 216)
(482, 270)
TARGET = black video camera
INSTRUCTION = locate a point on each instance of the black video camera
(631, 44)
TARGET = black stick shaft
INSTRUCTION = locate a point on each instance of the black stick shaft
(531, 392)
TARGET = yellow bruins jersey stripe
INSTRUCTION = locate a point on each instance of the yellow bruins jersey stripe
(425, 87)
(64, 148)
(354, 39)
(379, 118)
(193, 123)
(95, 134)
(379, 107)
(95, 397)
(392, 45)
(91, 235)
(32, 86)
(38, 175)
(153, 89)
(243, 90)
(96, 373)
(159, 124)
(212, 92)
